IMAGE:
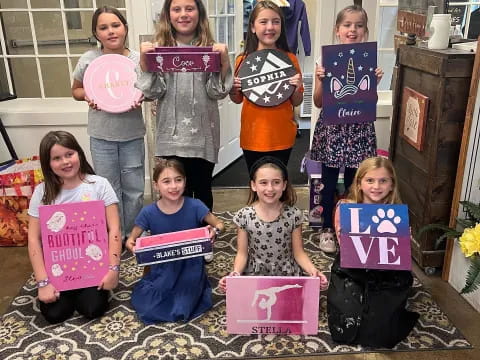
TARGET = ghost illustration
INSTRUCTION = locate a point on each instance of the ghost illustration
(57, 221)
(56, 270)
(94, 252)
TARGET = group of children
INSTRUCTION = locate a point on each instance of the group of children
(269, 240)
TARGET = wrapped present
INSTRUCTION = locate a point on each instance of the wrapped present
(183, 59)
(13, 220)
(173, 246)
(21, 178)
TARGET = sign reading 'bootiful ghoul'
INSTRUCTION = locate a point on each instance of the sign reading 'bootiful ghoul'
(264, 76)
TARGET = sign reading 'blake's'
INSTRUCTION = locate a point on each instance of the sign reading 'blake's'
(75, 243)
(265, 75)
(375, 237)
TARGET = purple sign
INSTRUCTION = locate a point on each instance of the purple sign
(265, 75)
(75, 243)
(183, 59)
(272, 305)
(375, 237)
(350, 84)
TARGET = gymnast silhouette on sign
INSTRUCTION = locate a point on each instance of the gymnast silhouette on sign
(271, 297)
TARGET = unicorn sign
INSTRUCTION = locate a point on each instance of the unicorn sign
(350, 84)
(375, 237)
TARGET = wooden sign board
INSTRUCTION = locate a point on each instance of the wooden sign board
(268, 305)
(413, 117)
(350, 85)
(183, 59)
(75, 243)
(411, 23)
(375, 237)
(173, 246)
(265, 75)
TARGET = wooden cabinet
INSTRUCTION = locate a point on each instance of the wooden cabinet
(427, 178)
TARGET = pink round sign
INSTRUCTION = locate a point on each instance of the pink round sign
(109, 80)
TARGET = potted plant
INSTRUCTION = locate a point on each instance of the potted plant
(469, 241)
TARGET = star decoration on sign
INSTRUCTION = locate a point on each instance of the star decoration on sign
(352, 51)
(360, 68)
(248, 62)
(342, 77)
(258, 59)
(266, 99)
(335, 63)
(187, 121)
(193, 130)
(340, 54)
(253, 68)
(329, 74)
(279, 95)
(286, 86)
(370, 69)
(365, 54)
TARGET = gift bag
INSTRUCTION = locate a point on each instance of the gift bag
(13, 220)
(20, 178)
(16, 187)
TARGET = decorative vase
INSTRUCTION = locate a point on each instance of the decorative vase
(440, 32)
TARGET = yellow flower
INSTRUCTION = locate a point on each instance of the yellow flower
(470, 241)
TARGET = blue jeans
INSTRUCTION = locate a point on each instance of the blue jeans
(123, 164)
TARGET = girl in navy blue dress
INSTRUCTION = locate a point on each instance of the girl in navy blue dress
(176, 290)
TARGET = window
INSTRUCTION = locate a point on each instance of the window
(467, 15)
(221, 16)
(386, 26)
(41, 42)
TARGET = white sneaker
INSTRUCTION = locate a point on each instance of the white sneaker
(208, 258)
(327, 241)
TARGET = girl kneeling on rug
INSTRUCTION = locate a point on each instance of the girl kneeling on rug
(269, 240)
(70, 178)
(177, 290)
(367, 307)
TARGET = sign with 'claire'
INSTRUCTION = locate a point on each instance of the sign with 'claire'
(375, 237)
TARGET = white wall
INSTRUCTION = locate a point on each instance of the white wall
(28, 120)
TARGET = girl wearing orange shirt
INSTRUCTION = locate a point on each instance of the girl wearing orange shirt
(267, 130)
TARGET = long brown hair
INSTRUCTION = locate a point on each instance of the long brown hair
(251, 42)
(165, 34)
(109, 10)
(53, 183)
(289, 196)
(355, 195)
(349, 9)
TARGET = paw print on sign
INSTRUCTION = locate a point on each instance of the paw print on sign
(386, 221)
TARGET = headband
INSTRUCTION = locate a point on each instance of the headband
(269, 160)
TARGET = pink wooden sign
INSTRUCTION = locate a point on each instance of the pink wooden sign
(75, 243)
(173, 246)
(272, 304)
(375, 236)
(109, 81)
(183, 59)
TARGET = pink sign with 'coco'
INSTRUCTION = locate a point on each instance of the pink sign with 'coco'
(109, 81)
(272, 304)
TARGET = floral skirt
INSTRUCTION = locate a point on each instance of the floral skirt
(343, 144)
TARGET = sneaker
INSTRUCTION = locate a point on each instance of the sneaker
(208, 258)
(327, 241)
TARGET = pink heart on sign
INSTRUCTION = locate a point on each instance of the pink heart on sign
(109, 81)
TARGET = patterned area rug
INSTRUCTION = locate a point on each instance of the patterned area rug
(120, 335)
